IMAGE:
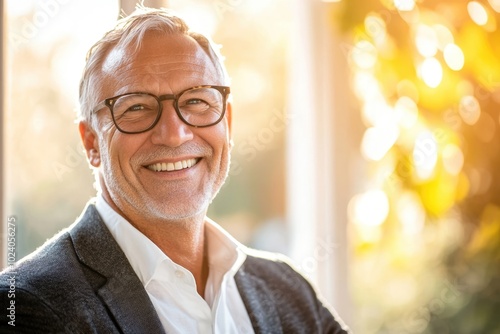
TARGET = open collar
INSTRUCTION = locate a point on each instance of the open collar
(122, 291)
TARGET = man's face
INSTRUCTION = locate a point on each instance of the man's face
(163, 65)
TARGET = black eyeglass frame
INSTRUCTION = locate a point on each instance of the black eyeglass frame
(109, 102)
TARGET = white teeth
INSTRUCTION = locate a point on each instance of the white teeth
(171, 166)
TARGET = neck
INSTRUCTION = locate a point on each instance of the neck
(184, 243)
(182, 240)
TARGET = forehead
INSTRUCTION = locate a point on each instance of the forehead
(160, 60)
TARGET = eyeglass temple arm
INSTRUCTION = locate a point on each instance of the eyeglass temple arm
(99, 107)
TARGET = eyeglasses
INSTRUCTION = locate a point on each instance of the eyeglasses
(138, 112)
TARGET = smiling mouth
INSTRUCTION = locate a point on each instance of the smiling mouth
(172, 166)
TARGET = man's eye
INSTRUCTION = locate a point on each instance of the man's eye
(195, 101)
(136, 107)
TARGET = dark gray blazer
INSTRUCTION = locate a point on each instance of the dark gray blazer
(81, 282)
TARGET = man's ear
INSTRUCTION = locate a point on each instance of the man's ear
(90, 143)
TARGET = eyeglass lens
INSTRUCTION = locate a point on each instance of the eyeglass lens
(197, 107)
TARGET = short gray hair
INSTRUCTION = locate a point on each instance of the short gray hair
(129, 31)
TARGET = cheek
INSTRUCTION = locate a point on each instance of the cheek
(222, 135)
(223, 154)
(119, 150)
(220, 145)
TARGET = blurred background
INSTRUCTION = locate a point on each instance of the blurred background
(367, 144)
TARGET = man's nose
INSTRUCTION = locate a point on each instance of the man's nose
(170, 129)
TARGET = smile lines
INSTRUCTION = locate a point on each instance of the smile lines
(172, 166)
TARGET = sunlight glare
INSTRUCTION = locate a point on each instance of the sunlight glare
(454, 57)
(364, 54)
(378, 140)
(425, 155)
(200, 18)
(376, 112)
(369, 209)
(431, 72)
(366, 86)
(495, 4)
(254, 85)
(406, 112)
(410, 213)
(477, 13)
(404, 5)
(444, 36)
(426, 41)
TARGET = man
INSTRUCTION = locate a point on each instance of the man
(143, 257)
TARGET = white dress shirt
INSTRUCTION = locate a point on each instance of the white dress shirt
(172, 288)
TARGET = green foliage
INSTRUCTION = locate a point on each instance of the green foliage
(457, 259)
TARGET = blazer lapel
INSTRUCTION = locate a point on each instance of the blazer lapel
(122, 292)
(258, 302)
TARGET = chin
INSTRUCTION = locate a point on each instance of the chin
(163, 211)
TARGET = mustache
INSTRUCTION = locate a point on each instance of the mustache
(165, 152)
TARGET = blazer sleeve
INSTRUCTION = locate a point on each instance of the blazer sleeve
(29, 314)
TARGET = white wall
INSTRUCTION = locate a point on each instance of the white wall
(320, 152)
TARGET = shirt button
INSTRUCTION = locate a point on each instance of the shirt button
(179, 274)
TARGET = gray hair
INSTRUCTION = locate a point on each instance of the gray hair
(129, 31)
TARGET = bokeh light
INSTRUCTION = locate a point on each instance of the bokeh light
(404, 5)
(364, 54)
(410, 213)
(407, 88)
(366, 86)
(378, 140)
(444, 35)
(426, 40)
(369, 209)
(406, 112)
(453, 159)
(477, 13)
(440, 87)
(469, 109)
(431, 72)
(425, 155)
(495, 4)
(454, 57)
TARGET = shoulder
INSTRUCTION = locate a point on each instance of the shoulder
(30, 287)
(273, 277)
(47, 272)
(47, 260)
(274, 268)
(52, 265)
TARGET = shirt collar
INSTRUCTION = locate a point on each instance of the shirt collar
(225, 254)
(143, 255)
